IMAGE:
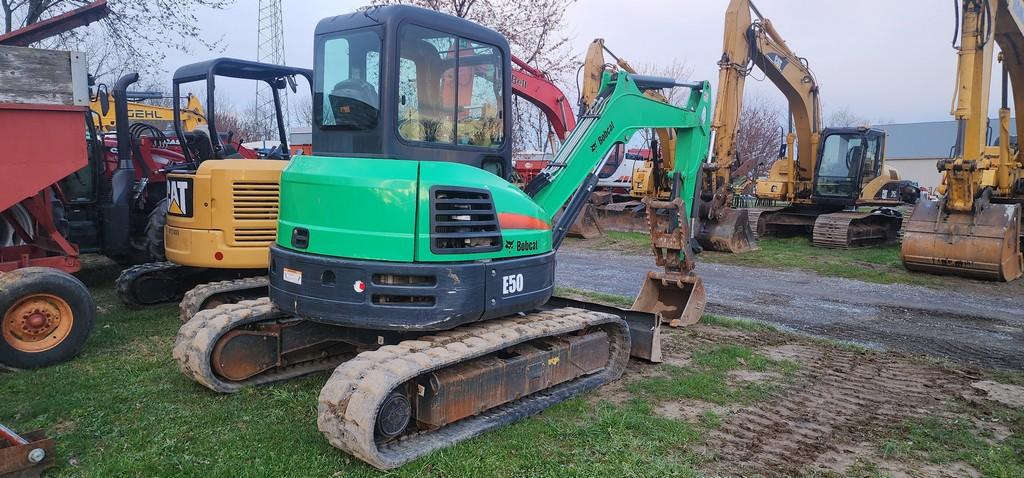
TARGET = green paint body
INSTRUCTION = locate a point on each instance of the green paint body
(379, 209)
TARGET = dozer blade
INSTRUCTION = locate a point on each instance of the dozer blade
(586, 225)
(729, 233)
(679, 299)
(984, 245)
(644, 328)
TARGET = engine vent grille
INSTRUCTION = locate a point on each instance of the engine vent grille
(254, 207)
(463, 221)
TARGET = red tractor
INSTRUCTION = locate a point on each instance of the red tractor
(76, 192)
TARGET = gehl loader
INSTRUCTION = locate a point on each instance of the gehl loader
(407, 262)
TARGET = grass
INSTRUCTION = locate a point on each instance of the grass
(122, 408)
(598, 297)
(707, 378)
(945, 440)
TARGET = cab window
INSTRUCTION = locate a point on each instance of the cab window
(347, 83)
(449, 90)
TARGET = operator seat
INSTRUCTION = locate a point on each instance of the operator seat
(201, 144)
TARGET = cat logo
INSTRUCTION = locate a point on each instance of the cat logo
(179, 197)
(779, 61)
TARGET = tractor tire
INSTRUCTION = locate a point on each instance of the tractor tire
(155, 232)
(46, 315)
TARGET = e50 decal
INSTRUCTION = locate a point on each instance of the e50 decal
(511, 284)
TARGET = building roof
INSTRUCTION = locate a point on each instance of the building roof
(929, 140)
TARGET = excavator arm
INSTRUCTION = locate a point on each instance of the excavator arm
(534, 86)
(751, 43)
(974, 229)
(625, 104)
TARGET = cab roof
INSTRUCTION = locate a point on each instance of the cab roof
(235, 68)
(397, 14)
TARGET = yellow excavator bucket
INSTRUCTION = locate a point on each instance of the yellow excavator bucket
(984, 245)
(731, 232)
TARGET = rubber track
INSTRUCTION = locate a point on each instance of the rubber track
(196, 299)
(196, 339)
(124, 282)
(350, 400)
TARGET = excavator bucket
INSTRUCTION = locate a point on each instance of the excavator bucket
(675, 294)
(678, 299)
(729, 233)
(984, 245)
(586, 225)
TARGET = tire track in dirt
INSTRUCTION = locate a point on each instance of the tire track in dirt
(838, 396)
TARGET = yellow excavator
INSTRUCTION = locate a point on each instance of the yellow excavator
(825, 174)
(974, 228)
(162, 117)
(222, 203)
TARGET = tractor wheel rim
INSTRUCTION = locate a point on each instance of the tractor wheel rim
(37, 323)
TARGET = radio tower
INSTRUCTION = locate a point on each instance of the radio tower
(270, 49)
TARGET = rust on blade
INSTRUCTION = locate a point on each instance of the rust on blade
(728, 231)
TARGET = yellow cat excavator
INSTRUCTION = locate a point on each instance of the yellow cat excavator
(974, 228)
(825, 179)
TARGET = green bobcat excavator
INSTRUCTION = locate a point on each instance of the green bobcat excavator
(409, 264)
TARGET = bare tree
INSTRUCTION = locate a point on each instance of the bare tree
(135, 36)
(843, 118)
(301, 113)
(677, 70)
(759, 138)
(536, 32)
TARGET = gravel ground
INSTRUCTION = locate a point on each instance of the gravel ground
(971, 325)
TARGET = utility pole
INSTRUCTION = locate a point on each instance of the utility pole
(270, 49)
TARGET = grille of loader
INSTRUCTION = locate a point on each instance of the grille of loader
(254, 206)
(463, 221)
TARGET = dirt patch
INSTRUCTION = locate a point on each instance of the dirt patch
(1009, 395)
(690, 410)
(848, 459)
(792, 352)
(832, 404)
(839, 396)
(740, 377)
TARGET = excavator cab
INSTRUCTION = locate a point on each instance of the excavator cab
(849, 159)
(449, 103)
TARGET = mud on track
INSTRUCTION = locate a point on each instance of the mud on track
(836, 398)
